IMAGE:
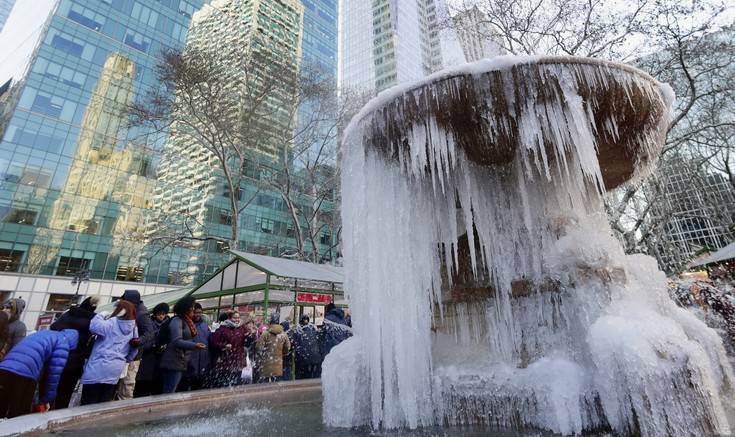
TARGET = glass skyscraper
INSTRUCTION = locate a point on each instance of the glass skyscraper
(74, 181)
(77, 185)
(5, 7)
(386, 42)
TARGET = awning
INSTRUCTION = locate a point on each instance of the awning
(250, 273)
(724, 254)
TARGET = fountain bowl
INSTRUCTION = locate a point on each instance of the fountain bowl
(483, 107)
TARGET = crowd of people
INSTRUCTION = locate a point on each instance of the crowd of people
(133, 353)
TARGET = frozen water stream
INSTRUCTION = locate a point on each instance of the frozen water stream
(496, 294)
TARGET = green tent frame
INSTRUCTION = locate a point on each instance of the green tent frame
(267, 281)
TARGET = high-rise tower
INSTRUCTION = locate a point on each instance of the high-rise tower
(5, 7)
(386, 42)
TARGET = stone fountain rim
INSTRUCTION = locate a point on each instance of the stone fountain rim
(77, 416)
(483, 66)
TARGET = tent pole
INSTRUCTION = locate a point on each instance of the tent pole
(266, 296)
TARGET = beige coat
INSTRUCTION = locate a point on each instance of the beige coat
(270, 349)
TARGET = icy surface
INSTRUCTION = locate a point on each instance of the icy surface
(594, 343)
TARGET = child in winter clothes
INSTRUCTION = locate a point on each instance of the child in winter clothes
(39, 357)
(17, 329)
(110, 353)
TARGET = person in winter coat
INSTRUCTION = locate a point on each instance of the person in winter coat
(182, 332)
(39, 357)
(199, 360)
(148, 379)
(287, 360)
(335, 329)
(272, 346)
(17, 329)
(4, 322)
(232, 341)
(78, 319)
(305, 341)
(147, 336)
(111, 351)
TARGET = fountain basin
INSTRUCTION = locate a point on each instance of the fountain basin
(485, 109)
(283, 409)
(156, 408)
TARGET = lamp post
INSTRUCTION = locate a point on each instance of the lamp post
(79, 277)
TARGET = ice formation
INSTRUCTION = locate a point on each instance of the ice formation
(483, 279)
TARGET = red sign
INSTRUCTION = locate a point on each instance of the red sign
(44, 321)
(314, 298)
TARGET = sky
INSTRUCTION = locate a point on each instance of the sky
(25, 24)
(20, 35)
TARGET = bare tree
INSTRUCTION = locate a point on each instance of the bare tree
(223, 118)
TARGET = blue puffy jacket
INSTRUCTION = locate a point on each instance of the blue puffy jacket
(45, 351)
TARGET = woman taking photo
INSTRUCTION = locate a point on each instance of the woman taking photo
(179, 344)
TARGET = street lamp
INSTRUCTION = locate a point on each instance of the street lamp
(79, 277)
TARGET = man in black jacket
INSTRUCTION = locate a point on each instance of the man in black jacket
(305, 343)
(76, 318)
(146, 337)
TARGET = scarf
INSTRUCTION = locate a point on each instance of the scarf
(230, 324)
(192, 327)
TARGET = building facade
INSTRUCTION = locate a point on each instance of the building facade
(477, 38)
(387, 42)
(694, 211)
(80, 189)
(5, 7)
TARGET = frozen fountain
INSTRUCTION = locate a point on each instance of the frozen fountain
(483, 277)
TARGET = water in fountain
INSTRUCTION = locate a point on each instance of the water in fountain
(496, 294)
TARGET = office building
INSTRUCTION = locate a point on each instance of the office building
(74, 180)
(80, 190)
(386, 42)
(5, 7)
(692, 210)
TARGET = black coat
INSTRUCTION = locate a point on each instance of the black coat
(151, 356)
(143, 321)
(305, 343)
(334, 331)
(78, 319)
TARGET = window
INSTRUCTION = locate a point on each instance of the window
(137, 41)
(144, 15)
(68, 46)
(86, 17)
(225, 217)
(266, 225)
(127, 270)
(10, 260)
(49, 105)
(186, 9)
(20, 216)
(68, 266)
(59, 302)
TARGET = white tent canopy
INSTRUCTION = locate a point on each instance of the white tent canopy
(250, 272)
